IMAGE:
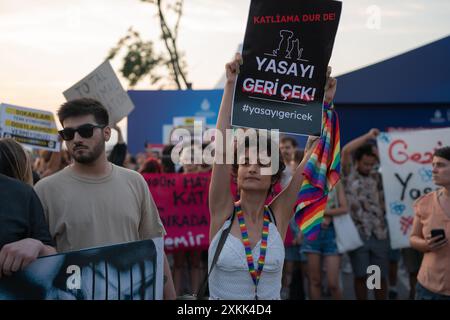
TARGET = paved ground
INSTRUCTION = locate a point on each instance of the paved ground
(347, 281)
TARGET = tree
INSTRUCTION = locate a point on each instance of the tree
(142, 60)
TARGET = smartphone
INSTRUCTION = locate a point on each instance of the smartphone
(438, 232)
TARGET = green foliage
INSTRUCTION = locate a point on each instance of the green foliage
(142, 60)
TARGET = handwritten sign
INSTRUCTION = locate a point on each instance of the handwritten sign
(406, 159)
(182, 201)
(103, 85)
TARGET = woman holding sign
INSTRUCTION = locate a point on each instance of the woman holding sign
(250, 262)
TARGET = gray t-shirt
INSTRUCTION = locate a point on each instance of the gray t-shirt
(89, 212)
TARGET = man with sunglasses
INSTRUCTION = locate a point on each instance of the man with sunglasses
(94, 202)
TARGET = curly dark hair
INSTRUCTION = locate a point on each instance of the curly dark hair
(364, 150)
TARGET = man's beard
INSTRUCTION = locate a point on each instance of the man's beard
(91, 156)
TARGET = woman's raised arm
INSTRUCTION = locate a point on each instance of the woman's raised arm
(220, 198)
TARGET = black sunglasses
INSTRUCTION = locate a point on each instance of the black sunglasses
(85, 131)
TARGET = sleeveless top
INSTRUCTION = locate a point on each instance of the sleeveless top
(231, 279)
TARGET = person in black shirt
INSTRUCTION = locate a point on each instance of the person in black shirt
(119, 151)
(24, 233)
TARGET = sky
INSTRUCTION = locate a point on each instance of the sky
(48, 45)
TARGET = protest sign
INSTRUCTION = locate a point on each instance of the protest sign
(30, 127)
(128, 271)
(406, 159)
(103, 85)
(182, 201)
(287, 47)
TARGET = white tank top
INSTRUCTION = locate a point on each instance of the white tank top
(230, 278)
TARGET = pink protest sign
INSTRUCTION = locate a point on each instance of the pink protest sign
(182, 201)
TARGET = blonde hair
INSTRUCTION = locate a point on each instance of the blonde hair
(14, 161)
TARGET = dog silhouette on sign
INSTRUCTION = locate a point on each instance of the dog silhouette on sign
(288, 47)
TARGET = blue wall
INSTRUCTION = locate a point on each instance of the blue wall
(356, 120)
(155, 108)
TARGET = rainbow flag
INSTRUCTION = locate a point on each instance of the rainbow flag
(321, 174)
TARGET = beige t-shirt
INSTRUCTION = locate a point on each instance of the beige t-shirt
(85, 212)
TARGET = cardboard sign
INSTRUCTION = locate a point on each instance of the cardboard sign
(103, 85)
(129, 271)
(286, 51)
(406, 159)
(31, 127)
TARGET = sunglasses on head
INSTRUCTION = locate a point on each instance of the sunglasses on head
(85, 131)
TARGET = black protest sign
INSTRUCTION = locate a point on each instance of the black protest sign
(128, 271)
(286, 51)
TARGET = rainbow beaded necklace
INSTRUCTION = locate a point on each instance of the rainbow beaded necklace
(255, 273)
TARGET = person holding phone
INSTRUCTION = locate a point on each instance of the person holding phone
(430, 232)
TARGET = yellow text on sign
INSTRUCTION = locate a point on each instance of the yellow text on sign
(28, 127)
(30, 114)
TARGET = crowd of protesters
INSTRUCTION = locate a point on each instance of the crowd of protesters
(84, 197)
